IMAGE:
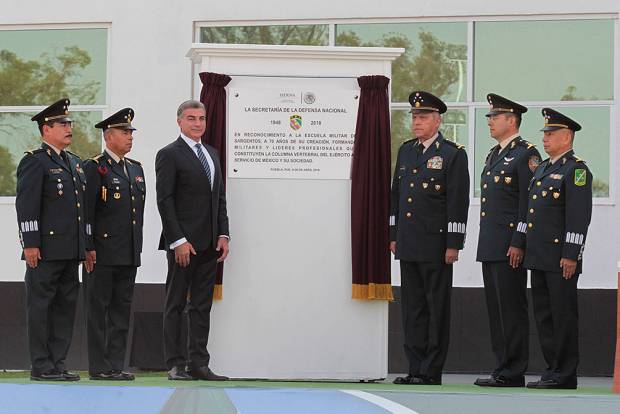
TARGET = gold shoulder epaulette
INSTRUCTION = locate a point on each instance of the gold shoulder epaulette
(579, 159)
(96, 158)
(74, 154)
(528, 144)
(132, 161)
(455, 144)
(34, 151)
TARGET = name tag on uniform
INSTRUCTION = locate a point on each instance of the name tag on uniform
(115, 180)
(435, 163)
(556, 176)
(56, 170)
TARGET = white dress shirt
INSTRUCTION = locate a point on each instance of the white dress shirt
(426, 144)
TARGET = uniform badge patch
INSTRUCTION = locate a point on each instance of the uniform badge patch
(580, 177)
(435, 163)
(533, 162)
(295, 122)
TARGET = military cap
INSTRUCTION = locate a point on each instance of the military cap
(422, 101)
(501, 105)
(555, 120)
(56, 112)
(120, 120)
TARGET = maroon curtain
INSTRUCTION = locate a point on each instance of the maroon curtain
(213, 96)
(370, 191)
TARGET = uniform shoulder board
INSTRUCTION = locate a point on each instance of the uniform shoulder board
(132, 161)
(454, 144)
(579, 159)
(96, 159)
(526, 144)
(73, 154)
(34, 151)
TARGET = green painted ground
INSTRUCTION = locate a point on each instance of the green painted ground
(158, 379)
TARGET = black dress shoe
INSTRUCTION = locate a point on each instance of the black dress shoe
(123, 376)
(430, 381)
(500, 381)
(403, 380)
(204, 373)
(70, 376)
(52, 375)
(553, 385)
(179, 373)
(102, 376)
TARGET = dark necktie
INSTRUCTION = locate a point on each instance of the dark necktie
(65, 158)
(121, 163)
(203, 161)
(494, 155)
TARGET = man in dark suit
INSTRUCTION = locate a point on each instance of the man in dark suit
(504, 184)
(429, 205)
(559, 213)
(192, 206)
(52, 229)
(115, 200)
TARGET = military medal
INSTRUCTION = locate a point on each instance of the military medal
(437, 187)
(508, 180)
(425, 185)
(544, 194)
(496, 178)
(435, 163)
(556, 195)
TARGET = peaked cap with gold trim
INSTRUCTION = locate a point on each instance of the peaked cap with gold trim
(120, 120)
(56, 112)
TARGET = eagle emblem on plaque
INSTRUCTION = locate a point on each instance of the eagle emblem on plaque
(295, 122)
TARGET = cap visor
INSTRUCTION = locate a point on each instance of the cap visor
(551, 128)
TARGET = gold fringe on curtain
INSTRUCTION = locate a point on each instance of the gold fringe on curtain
(217, 292)
(372, 291)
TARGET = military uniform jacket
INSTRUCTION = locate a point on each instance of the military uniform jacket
(116, 209)
(50, 204)
(503, 199)
(429, 200)
(559, 212)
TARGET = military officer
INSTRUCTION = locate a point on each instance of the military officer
(52, 228)
(559, 212)
(429, 204)
(115, 200)
(504, 184)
